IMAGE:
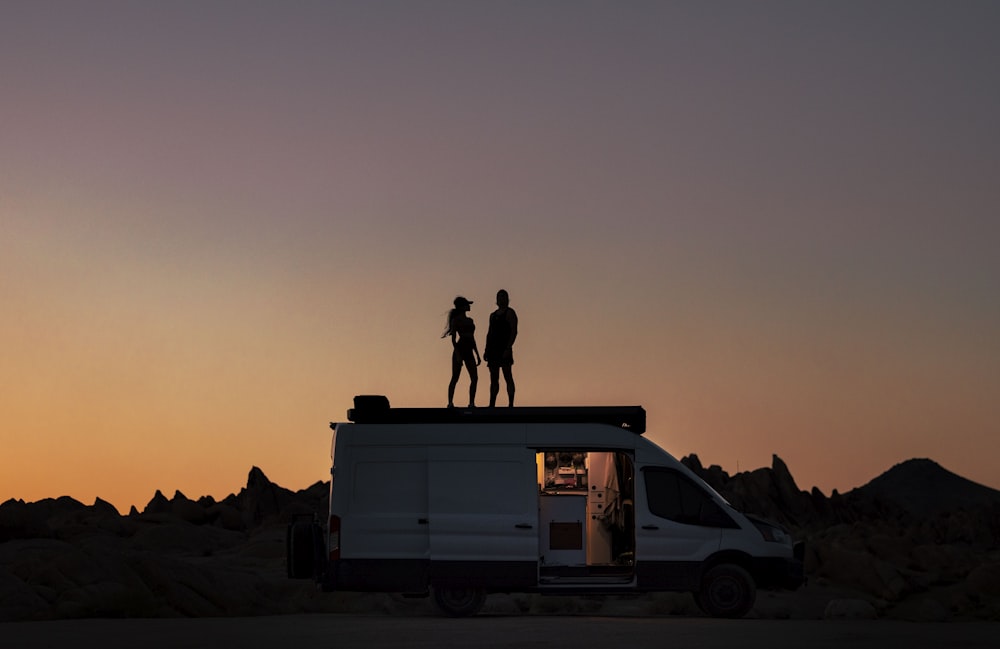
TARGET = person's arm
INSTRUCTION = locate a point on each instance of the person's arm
(512, 319)
(475, 349)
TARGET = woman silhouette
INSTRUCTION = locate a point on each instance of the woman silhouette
(462, 330)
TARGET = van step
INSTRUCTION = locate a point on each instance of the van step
(586, 571)
(566, 575)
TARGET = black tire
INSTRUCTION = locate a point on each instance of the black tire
(459, 602)
(301, 550)
(727, 590)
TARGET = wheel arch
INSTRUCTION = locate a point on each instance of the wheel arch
(737, 557)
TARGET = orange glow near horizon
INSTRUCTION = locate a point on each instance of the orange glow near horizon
(726, 216)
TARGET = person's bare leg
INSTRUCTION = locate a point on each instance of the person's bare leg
(456, 369)
(473, 382)
(494, 385)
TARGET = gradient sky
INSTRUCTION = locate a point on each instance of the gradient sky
(774, 225)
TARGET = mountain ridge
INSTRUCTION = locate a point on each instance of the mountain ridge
(922, 486)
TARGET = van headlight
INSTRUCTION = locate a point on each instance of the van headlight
(772, 533)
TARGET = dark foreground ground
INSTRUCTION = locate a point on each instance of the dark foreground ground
(319, 631)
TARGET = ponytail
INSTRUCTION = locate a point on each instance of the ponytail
(450, 324)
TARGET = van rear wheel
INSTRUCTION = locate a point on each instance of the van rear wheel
(459, 602)
(727, 590)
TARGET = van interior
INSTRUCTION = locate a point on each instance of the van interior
(586, 516)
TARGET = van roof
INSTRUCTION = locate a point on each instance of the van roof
(375, 409)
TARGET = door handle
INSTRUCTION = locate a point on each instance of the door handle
(650, 527)
(422, 521)
(524, 526)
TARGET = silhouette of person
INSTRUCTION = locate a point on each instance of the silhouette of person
(500, 347)
(462, 330)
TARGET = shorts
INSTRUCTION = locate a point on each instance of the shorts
(503, 361)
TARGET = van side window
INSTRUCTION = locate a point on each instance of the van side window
(674, 496)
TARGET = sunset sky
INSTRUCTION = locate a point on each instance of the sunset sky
(775, 225)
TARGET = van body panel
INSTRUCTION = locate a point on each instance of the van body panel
(657, 539)
(387, 503)
(383, 435)
(483, 504)
(594, 436)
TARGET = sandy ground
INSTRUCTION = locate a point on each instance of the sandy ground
(375, 632)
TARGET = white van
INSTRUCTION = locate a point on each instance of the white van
(460, 503)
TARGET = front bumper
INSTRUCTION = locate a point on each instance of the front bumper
(781, 573)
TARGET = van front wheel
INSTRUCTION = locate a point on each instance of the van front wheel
(459, 602)
(727, 590)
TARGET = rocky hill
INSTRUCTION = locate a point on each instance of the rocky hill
(918, 542)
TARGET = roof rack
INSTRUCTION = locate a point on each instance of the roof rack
(375, 409)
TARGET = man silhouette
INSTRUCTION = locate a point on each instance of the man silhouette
(499, 352)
